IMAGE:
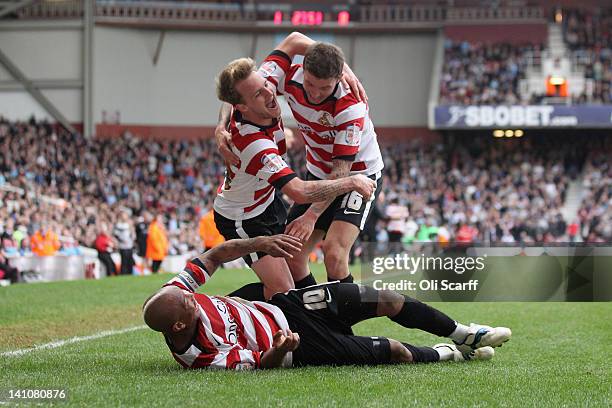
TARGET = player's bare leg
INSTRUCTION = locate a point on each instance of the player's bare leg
(298, 265)
(274, 274)
(338, 242)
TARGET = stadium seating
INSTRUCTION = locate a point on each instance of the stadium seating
(87, 182)
(588, 34)
(451, 184)
(511, 192)
(595, 213)
(483, 74)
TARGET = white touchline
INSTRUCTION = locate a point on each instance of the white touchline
(60, 343)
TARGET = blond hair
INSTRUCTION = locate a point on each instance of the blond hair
(236, 71)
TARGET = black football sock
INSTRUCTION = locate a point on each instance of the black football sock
(422, 354)
(348, 279)
(417, 315)
(307, 281)
(252, 291)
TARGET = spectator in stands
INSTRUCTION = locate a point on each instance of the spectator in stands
(7, 244)
(467, 234)
(70, 246)
(99, 177)
(396, 214)
(157, 243)
(124, 235)
(595, 213)
(209, 234)
(19, 234)
(483, 74)
(6, 270)
(45, 241)
(104, 245)
(588, 33)
(25, 247)
(142, 227)
(507, 187)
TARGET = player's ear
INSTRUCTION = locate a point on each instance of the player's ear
(178, 326)
(241, 107)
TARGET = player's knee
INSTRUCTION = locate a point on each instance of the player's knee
(399, 353)
(279, 285)
(390, 303)
(297, 264)
(334, 253)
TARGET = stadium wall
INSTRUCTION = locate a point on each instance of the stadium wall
(42, 54)
(179, 90)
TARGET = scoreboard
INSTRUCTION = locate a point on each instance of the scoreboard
(312, 17)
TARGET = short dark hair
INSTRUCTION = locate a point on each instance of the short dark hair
(324, 60)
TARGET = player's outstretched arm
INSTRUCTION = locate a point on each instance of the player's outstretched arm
(294, 44)
(303, 226)
(297, 43)
(313, 191)
(277, 246)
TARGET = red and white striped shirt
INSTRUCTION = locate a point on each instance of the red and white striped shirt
(232, 333)
(249, 188)
(339, 127)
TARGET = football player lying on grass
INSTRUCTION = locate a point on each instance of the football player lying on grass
(309, 326)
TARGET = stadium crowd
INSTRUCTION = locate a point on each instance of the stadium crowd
(595, 213)
(483, 74)
(588, 34)
(477, 190)
(72, 189)
(59, 190)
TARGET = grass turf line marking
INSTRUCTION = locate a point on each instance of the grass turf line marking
(60, 343)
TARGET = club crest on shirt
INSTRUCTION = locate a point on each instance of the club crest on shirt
(267, 68)
(353, 135)
(326, 119)
(272, 162)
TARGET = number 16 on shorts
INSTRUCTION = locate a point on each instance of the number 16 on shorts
(352, 201)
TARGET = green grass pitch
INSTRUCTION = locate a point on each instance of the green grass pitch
(559, 355)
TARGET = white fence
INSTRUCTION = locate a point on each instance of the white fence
(86, 266)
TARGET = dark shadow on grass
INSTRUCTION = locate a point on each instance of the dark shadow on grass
(162, 365)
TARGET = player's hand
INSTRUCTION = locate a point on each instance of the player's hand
(364, 185)
(302, 227)
(224, 144)
(285, 341)
(350, 81)
(281, 246)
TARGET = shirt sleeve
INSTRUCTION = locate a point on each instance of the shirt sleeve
(269, 165)
(349, 128)
(275, 68)
(234, 358)
(192, 277)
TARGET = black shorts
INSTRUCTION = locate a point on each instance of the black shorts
(349, 207)
(323, 315)
(395, 236)
(270, 222)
